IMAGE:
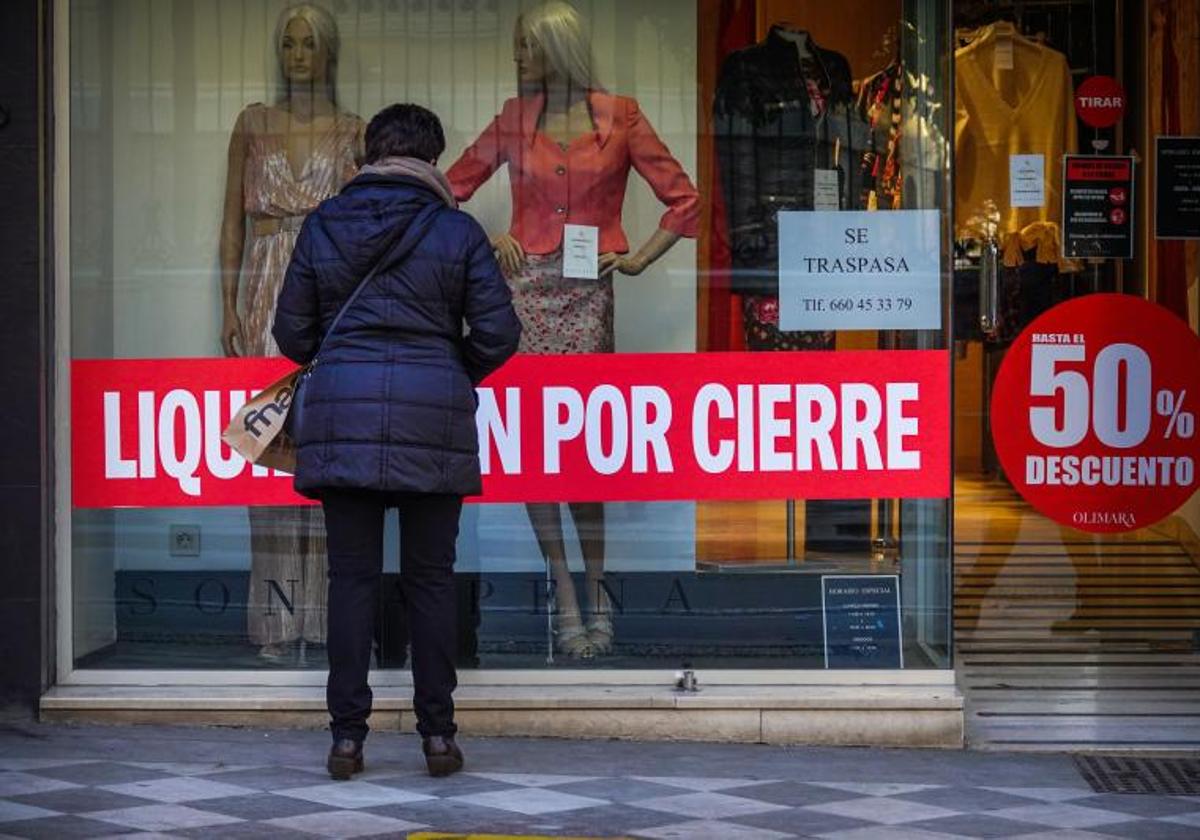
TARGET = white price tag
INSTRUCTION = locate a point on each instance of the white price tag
(1027, 180)
(581, 252)
(826, 190)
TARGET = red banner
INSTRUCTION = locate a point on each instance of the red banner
(614, 427)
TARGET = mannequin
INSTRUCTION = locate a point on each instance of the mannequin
(284, 159)
(565, 139)
(783, 113)
(783, 117)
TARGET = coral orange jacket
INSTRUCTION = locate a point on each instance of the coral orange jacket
(583, 184)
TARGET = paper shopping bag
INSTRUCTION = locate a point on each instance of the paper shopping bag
(256, 431)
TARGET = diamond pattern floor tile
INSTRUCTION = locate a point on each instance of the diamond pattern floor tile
(190, 768)
(531, 779)
(59, 828)
(1157, 829)
(978, 825)
(345, 824)
(41, 763)
(531, 801)
(261, 806)
(177, 790)
(707, 805)
(13, 811)
(102, 772)
(80, 800)
(882, 832)
(1138, 805)
(863, 796)
(805, 822)
(348, 795)
(973, 799)
(795, 794)
(710, 830)
(1069, 834)
(884, 811)
(703, 783)
(618, 790)
(18, 783)
(1062, 815)
(162, 817)
(875, 789)
(1046, 794)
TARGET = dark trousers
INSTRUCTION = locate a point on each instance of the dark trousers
(428, 530)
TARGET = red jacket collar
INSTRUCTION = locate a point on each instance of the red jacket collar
(602, 106)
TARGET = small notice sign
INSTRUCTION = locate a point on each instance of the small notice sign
(862, 621)
(858, 270)
(1098, 207)
(827, 190)
(581, 252)
(1177, 193)
(1100, 101)
(1027, 180)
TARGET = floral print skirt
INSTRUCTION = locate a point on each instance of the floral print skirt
(561, 314)
(760, 319)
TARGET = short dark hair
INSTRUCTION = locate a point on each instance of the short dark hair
(405, 130)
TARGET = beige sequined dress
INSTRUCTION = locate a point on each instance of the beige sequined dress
(287, 595)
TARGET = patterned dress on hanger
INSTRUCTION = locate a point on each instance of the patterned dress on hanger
(287, 595)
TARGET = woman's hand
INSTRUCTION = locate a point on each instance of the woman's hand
(509, 253)
(623, 263)
(231, 334)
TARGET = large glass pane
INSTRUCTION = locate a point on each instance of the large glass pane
(183, 556)
(1072, 626)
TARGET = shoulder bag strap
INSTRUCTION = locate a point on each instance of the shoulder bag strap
(391, 256)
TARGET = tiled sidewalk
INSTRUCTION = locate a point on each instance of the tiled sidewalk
(163, 782)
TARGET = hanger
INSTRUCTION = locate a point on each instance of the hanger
(999, 29)
(802, 38)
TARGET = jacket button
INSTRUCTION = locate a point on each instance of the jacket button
(561, 170)
(560, 209)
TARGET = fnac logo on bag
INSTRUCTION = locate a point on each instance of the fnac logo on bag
(266, 415)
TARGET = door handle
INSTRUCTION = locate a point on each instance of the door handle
(989, 289)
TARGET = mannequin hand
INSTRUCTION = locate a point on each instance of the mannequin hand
(509, 253)
(623, 263)
(231, 334)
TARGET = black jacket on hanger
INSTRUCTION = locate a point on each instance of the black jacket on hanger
(769, 143)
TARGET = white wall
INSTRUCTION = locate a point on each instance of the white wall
(174, 74)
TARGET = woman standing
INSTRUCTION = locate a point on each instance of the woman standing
(569, 146)
(388, 413)
(284, 159)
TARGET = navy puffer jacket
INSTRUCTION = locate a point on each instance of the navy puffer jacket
(391, 403)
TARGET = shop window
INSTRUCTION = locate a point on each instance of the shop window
(804, 526)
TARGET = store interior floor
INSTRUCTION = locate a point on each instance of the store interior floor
(1064, 637)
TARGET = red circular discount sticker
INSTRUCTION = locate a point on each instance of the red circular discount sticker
(1093, 413)
(1100, 101)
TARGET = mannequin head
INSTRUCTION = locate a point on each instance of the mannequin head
(552, 46)
(306, 46)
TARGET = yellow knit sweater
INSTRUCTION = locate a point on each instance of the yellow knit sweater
(1010, 106)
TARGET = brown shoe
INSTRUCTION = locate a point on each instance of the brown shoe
(442, 755)
(345, 759)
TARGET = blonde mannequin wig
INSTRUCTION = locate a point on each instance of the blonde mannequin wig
(325, 35)
(558, 29)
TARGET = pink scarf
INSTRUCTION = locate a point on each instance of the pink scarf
(425, 172)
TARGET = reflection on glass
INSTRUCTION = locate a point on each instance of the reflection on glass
(284, 159)
(173, 168)
(569, 145)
